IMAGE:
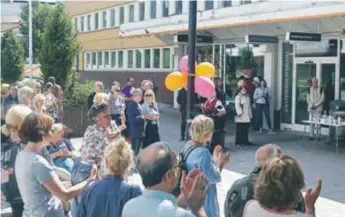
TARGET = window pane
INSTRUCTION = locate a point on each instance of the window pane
(120, 60)
(88, 60)
(246, 1)
(82, 23)
(88, 22)
(130, 59)
(153, 5)
(142, 11)
(104, 19)
(113, 59)
(178, 6)
(100, 59)
(156, 58)
(96, 20)
(139, 56)
(122, 15)
(227, 4)
(131, 13)
(94, 60)
(106, 59)
(209, 4)
(112, 17)
(76, 23)
(147, 59)
(165, 8)
(166, 58)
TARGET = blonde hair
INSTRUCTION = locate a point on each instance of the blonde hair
(200, 126)
(100, 98)
(4, 89)
(16, 115)
(36, 98)
(150, 92)
(119, 156)
(57, 127)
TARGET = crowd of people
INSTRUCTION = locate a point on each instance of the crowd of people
(42, 174)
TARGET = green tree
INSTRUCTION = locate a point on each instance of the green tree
(12, 57)
(40, 16)
(59, 46)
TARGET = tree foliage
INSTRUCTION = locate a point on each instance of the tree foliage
(12, 57)
(247, 60)
(59, 46)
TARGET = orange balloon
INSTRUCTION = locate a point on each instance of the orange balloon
(185, 77)
(205, 69)
(174, 81)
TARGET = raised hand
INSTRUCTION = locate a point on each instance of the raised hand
(196, 196)
(217, 153)
(311, 196)
(187, 181)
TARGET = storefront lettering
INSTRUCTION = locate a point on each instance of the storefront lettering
(287, 82)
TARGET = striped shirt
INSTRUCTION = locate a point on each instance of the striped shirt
(117, 106)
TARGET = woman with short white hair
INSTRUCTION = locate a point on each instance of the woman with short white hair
(25, 95)
(39, 103)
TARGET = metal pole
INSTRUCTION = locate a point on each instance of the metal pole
(30, 38)
(191, 57)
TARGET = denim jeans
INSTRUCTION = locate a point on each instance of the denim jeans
(261, 110)
(136, 145)
(183, 123)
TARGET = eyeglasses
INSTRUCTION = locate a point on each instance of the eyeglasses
(149, 95)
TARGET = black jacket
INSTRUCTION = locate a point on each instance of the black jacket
(90, 99)
(182, 99)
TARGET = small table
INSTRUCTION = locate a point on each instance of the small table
(318, 123)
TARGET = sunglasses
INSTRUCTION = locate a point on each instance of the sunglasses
(149, 95)
(116, 90)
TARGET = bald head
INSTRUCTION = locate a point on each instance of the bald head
(267, 152)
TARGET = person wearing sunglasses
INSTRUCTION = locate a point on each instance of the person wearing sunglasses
(117, 105)
(150, 109)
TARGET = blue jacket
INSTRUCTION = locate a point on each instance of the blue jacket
(134, 120)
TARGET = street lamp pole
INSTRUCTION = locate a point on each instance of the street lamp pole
(30, 38)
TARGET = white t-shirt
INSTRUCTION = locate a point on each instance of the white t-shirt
(253, 209)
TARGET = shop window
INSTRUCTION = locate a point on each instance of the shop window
(82, 24)
(166, 58)
(139, 56)
(96, 21)
(147, 58)
(165, 8)
(113, 59)
(106, 59)
(104, 21)
(156, 58)
(142, 11)
(100, 59)
(88, 22)
(342, 76)
(153, 9)
(130, 59)
(131, 13)
(227, 4)
(88, 60)
(209, 4)
(76, 23)
(122, 15)
(178, 6)
(112, 17)
(94, 60)
(120, 59)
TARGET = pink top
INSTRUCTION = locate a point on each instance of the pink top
(254, 209)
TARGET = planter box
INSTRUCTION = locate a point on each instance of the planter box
(75, 118)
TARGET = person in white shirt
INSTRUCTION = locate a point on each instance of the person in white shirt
(315, 98)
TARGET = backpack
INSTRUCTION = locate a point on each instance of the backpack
(183, 167)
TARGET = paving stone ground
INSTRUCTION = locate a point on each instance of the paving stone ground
(318, 161)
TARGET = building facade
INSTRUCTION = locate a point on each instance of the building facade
(140, 39)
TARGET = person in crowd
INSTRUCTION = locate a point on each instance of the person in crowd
(250, 86)
(127, 90)
(9, 151)
(4, 95)
(146, 85)
(38, 103)
(182, 101)
(37, 87)
(108, 196)
(136, 120)
(116, 83)
(98, 135)
(57, 92)
(220, 94)
(98, 89)
(315, 99)
(154, 86)
(199, 157)
(215, 109)
(100, 98)
(117, 105)
(11, 99)
(329, 96)
(151, 111)
(158, 167)
(39, 186)
(262, 97)
(243, 115)
(50, 102)
(60, 149)
(276, 196)
(19, 84)
(25, 95)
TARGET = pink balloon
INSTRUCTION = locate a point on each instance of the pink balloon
(203, 86)
(183, 65)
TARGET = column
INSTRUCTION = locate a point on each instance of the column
(185, 7)
(136, 12)
(147, 10)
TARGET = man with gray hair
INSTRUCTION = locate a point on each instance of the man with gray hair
(25, 95)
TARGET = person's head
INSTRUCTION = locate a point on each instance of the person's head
(158, 167)
(149, 96)
(99, 86)
(116, 83)
(263, 84)
(217, 82)
(15, 117)
(51, 79)
(100, 98)
(36, 128)
(137, 95)
(99, 114)
(57, 133)
(256, 81)
(38, 102)
(115, 90)
(201, 129)
(25, 95)
(142, 84)
(38, 87)
(314, 82)
(148, 85)
(13, 90)
(118, 157)
(243, 90)
(48, 87)
(20, 84)
(279, 184)
(267, 152)
(130, 81)
(241, 83)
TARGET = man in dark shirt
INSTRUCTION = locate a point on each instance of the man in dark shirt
(12, 99)
(182, 101)
(127, 90)
(98, 89)
(219, 91)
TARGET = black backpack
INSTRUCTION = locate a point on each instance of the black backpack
(183, 167)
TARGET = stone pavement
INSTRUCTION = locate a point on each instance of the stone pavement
(317, 160)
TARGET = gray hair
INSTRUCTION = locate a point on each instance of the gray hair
(136, 92)
(95, 110)
(24, 92)
(273, 151)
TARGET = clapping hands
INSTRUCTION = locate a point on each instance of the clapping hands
(311, 196)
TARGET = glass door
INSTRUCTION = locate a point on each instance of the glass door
(328, 83)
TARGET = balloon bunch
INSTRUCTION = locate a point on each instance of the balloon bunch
(203, 84)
